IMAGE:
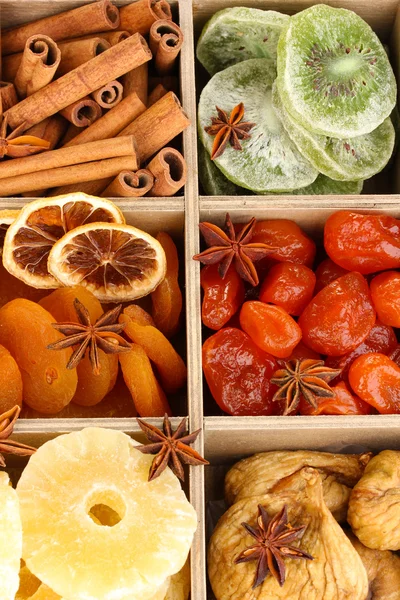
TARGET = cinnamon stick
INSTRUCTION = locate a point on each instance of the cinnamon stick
(82, 113)
(128, 184)
(156, 127)
(92, 151)
(137, 81)
(90, 18)
(158, 92)
(51, 129)
(111, 123)
(39, 63)
(92, 188)
(109, 95)
(170, 82)
(169, 170)
(76, 174)
(139, 16)
(111, 64)
(166, 39)
(77, 52)
(72, 132)
(8, 95)
(112, 37)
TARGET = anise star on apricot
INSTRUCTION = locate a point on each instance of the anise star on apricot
(104, 334)
(308, 378)
(171, 448)
(7, 446)
(273, 537)
(14, 145)
(230, 129)
(224, 247)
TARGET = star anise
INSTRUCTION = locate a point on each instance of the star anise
(170, 447)
(228, 129)
(104, 334)
(273, 537)
(307, 378)
(7, 446)
(18, 146)
(229, 246)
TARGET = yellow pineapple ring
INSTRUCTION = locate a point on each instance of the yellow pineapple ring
(68, 478)
(40, 224)
(10, 539)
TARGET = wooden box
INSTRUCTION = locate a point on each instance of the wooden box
(225, 439)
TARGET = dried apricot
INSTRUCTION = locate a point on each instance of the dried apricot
(385, 292)
(147, 395)
(26, 331)
(222, 297)
(270, 327)
(290, 286)
(60, 304)
(170, 366)
(167, 297)
(291, 243)
(376, 379)
(340, 316)
(363, 243)
(10, 382)
(326, 272)
(344, 403)
(91, 388)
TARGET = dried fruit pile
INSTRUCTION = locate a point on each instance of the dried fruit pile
(295, 105)
(282, 535)
(290, 339)
(62, 347)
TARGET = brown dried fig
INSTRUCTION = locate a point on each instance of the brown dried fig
(335, 573)
(260, 473)
(179, 585)
(374, 506)
(383, 570)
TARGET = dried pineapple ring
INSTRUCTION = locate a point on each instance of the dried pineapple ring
(40, 224)
(10, 539)
(80, 559)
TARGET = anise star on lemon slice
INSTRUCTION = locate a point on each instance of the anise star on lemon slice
(40, 224)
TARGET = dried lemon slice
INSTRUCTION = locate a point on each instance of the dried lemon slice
(77, 558)
(10, 539)
(40, 224)
(114, 262)
(6, 218)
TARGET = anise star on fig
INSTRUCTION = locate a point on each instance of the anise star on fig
(224, 247)
(7, 446)
(273, 537)
(228, 129)
(171, 448)
(18, 146)
(104, 334)
(308, 378)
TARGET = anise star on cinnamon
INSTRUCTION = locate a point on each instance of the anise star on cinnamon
(7, 446)
(18, 146)
(171, 448)
(104, 334)
(273, 537)
(224, 247)
(308, 378)
(228, 129)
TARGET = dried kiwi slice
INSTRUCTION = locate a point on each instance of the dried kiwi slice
(213, 181)
(269, 161)
(323, 186)
(237, 34)
(334, 76)
(341, 159)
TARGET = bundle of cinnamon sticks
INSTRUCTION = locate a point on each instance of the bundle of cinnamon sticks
(91, 93)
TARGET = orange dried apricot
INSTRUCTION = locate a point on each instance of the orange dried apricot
(147, 395)
(92, 388)
(289, 286)
(170, 366)
(385, 292)
(167, 297)
(60, 304)
(10, 382)
(376, 380)
(26, 331)
(114, 370)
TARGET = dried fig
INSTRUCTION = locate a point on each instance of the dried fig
(383, 570)
(374, 506)
(335, 573)
(260, 473)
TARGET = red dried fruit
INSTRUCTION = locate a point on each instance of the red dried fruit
(327, 272)
(222, 297)
(376, 379)
(344, 403)
(385, 292)
(293, 245)
(290, 286)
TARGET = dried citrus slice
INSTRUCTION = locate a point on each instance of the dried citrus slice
(10, 539)
(40, 224)
(114, 262)
(6, 218)
(63, 485)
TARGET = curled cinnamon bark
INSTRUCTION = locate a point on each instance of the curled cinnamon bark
(128, 184)
(166, 40)
(51, 129)
(77, 52)
(82, 113)
(39, 63)
(139, 16)
(8, 95)
(137, 81)
(169, 170)
(158, 92)
(109, 95)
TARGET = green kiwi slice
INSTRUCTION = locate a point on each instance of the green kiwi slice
(269, 161)
(213, 181)
(341, 159)
(323, 186)
(237, 34)
(334, 76)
